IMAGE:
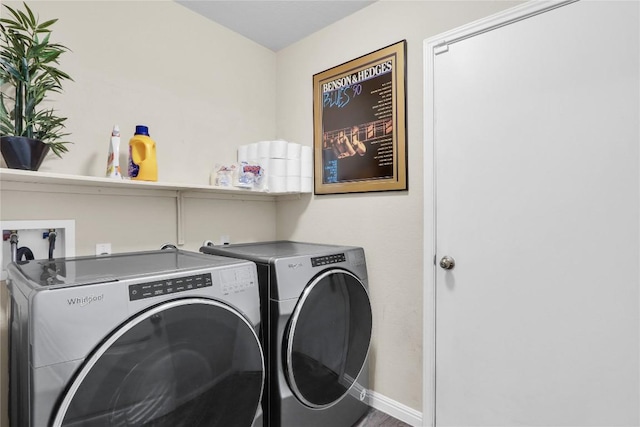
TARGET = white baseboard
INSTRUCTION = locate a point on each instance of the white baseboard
(395, 409)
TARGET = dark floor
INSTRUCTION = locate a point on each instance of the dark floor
(375, 418)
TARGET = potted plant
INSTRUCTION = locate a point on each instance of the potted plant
(28, 72)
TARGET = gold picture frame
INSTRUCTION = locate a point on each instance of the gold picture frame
(359, 124)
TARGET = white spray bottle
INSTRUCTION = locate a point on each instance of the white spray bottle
(113, 161)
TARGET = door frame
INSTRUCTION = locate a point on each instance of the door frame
(432, 47)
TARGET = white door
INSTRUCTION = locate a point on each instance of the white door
(537, 201)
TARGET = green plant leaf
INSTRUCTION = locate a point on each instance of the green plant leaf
(24, 19)
(10, 70)
(6, 125)
(16, 16)
(45, 25)
(32, 19)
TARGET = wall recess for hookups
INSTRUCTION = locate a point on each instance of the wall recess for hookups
(34, 235)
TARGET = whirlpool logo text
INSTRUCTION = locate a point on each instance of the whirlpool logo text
(84, 301)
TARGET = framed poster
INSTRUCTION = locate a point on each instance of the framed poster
(359, 124)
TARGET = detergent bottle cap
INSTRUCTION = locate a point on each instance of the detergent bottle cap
(142, 130)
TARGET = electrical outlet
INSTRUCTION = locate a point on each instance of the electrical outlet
(103, 249)
(224, 240)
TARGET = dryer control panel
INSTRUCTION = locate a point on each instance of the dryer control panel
(327, 259)
(169, 286)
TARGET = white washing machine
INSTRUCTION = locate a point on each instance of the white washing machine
(161, 338)
(317, 330)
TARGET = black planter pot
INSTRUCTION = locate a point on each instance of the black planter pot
(20, 152)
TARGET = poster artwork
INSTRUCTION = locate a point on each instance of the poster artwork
(360, 124)
(357, 123)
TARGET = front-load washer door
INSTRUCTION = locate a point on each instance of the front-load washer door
(190, 362)
(328, 338)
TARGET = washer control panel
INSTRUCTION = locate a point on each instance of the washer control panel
(237, 280)
(327, 259)
(169, 286)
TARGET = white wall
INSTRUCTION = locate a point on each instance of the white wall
(388, 225)
(201, 88)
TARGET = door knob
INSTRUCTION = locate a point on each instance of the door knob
(447, 262)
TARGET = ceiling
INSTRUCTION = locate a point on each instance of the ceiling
(275, 24)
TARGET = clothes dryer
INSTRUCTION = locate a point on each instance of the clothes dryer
(160, 338)
(316, 330)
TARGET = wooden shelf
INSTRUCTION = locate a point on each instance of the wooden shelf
(31, 177)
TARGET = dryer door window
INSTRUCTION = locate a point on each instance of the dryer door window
(192, 362)
(328, 338)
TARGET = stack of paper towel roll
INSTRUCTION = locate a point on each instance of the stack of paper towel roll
(288, 166)
(293, 167)
(306, 170)
(272, 155)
